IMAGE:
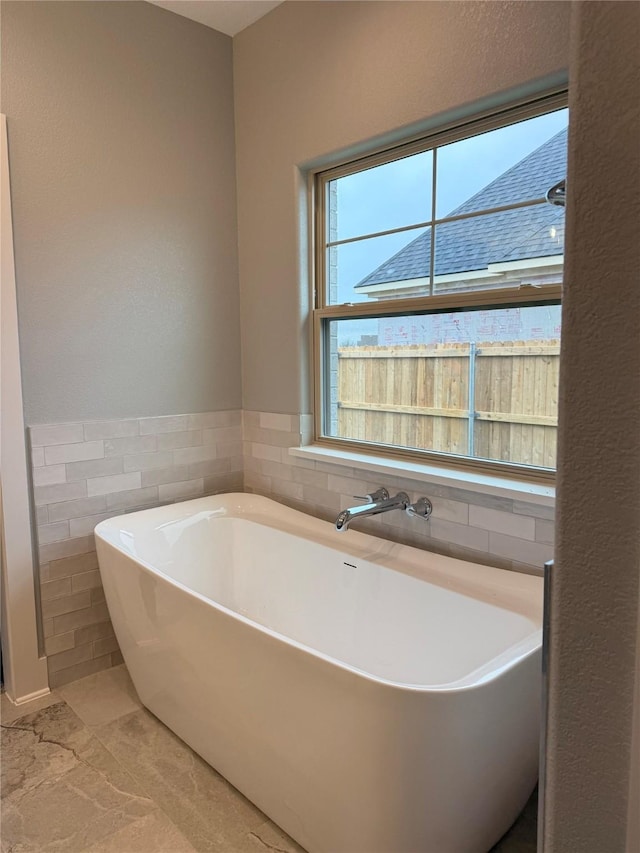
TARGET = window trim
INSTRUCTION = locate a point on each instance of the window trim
(527, 295)
(425, 472)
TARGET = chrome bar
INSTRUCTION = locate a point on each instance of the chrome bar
(557, 194)
(544, 710)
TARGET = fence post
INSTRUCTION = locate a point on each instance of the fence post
(472, 397)
(331, 419)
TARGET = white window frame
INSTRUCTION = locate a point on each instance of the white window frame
(546, 294)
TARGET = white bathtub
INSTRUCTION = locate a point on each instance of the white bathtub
(367, 696)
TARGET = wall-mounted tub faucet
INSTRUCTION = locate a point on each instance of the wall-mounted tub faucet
(377, 502)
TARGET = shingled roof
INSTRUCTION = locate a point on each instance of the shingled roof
(512, 235)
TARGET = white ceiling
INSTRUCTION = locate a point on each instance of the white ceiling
(227, 16)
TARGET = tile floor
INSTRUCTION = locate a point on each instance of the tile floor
(88, 770)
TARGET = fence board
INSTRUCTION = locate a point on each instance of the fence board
(404, 352)
(516, 418)
(408, 410)
(418, 396)
(517, 350)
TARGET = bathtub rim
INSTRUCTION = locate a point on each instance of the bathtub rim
(357, 545)
(488, 673)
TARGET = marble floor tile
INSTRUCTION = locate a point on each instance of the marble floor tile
(61, 789)
(10, 712)
(102, 697)
(209, 811)
(88, 770)
(153, 833)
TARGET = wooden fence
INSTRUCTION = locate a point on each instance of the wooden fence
(490, 400)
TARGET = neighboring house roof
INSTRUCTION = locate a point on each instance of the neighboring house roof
(512, 235)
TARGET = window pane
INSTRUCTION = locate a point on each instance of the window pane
(356, 271)
(480, 384)
(516, 163)
(506, 249)
(390, 196)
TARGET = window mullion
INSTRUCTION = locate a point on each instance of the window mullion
(433, 220)
(473, 214)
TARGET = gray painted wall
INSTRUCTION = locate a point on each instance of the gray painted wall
(595, 604)
(120, 119)
(312, 78)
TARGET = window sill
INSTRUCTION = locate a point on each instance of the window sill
(471, 481)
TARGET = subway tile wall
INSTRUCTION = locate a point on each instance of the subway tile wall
(85, 472)
(480, 528)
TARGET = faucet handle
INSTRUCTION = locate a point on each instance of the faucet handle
(380, 494)
(422, 508)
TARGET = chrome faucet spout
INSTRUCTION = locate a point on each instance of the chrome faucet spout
(373, 507)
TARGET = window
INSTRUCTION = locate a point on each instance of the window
(438, 276)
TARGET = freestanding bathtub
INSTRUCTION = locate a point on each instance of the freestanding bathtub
(369, 697)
